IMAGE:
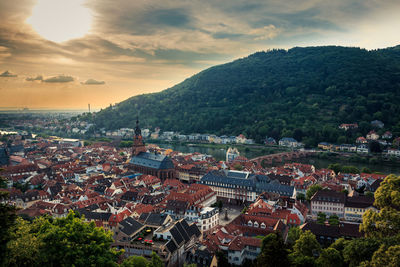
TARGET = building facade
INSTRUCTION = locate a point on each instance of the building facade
(239, 187)
(329, 202)
(149, 163)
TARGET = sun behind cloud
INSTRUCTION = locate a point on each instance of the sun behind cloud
(61, 20)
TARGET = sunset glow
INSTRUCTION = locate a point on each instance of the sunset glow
(60, 20)
(112, 50)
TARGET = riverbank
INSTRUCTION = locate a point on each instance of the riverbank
(322, 161)
(218, 151)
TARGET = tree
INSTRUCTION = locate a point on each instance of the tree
(386, 221)
(350, 169)
(244, 210)
(330, 257)
(302, 261)
(359, 250)
(7, 221)
(139, 261)
(238, 167)
(293, 234)
(339, 244)
(385, 256)
(300, 196)
(23, 248)
(336, 167)
(155, 260)
(369, 194)
(220, 205)
(375, 147)
(312, 190)
(222, 259)
(333, 220)
(62, 242)
(341, 139)
(135, 261)
(306, 245)
(321, 218)
(273, 252)
(366, 170)
(304, 250)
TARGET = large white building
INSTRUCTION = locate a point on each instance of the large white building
(329, 202)
(239, 187)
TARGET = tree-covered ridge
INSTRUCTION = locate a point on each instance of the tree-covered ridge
(302, 92)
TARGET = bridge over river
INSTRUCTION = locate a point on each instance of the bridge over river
(281, 157)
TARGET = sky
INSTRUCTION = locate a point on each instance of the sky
(65, 54)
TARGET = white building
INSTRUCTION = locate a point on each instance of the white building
(242, 248)
(231, 154)
(393, 152)
(289, 142)
(329, 202)
(209, 218)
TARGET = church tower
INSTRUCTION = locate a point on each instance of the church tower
(138, 145)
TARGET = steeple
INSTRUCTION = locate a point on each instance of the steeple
(138, 145)
(137, 129)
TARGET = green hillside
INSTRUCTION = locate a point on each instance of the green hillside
(303, 93)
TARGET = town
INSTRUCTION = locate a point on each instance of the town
(186, 207)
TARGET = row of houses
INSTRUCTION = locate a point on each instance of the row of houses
(349, 208)
(356, 148)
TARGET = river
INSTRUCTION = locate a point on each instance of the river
(220, 154)
(217, 153)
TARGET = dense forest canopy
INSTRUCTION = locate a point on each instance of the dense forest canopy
(303, 93)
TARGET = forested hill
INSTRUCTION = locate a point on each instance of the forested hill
(303, 92)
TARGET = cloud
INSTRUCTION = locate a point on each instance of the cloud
(8, 74)
(37, 78)
(59, 79)
(264, 33)
(93, 82)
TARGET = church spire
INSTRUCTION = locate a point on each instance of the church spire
(138, 145)
(137, 129)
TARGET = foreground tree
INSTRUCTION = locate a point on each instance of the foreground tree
(70, 241)
(359, 250)
(222, 259)
(330, 257)
(61, 242)
(384, 256)
(307, 244)
(386, 221)
(23, 248)
(293, 234)
(7, 221)
(305, 250)
(135, 261)
(273, 252)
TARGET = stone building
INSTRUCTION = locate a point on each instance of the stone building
(149, 163)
